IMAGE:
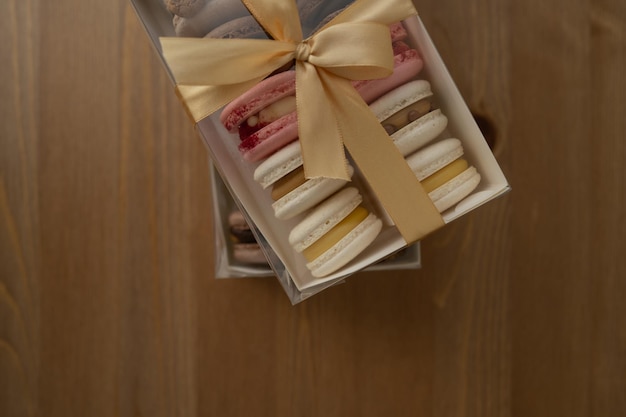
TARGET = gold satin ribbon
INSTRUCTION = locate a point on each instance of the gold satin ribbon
(355, 45)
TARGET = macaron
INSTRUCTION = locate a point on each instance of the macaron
(407, 64)
(445, 175)
(184, 8)
(211, 15)
(265, 116)
(292, 193)
(335, 232)
(409, 116)
(245, 27)
(245, 248)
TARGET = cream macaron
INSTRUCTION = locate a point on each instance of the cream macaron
(335, 232)
(292, 193)
(445, 175)
(409, 117)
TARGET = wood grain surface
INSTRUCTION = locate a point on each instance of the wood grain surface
(108, 302)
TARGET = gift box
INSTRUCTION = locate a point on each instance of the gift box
(341, 53)
(238, 253)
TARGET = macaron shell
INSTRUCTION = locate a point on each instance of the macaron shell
(397, 31)
(271, 138)
(427, 161)
(312, 12)
(347, 248)
(279, 164)
(455, 190)
(184, 8)
(406, 66)
(236, 219)
(257, 98)
(306, 196)
(399, 98)
(325, 216)
(213, 14)
(245, 27)
(420, 132)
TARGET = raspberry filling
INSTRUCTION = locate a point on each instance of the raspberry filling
(268, 115)
(250, 142)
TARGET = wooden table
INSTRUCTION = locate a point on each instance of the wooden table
(108, 304)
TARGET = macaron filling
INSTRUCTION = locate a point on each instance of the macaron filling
(444, 175)
(334, 235)
(267, 140)
(266, 116)
(407, 115)
(288, 183)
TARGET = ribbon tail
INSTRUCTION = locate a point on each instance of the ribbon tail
(383, 166)
(201, 101)
(321, 141)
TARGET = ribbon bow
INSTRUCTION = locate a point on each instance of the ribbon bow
(355, 45)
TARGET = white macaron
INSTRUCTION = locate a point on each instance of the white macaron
(407, 114)
(303, 194)
(335, 232)
(447, 177)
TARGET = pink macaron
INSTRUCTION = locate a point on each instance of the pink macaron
(265, 115)
(406, 66)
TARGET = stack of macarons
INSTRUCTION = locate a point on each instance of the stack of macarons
(333, 224)
(339, 228)
(231, 19)
(412, 120)
(245, 249)
(266, 122)
(335, 232)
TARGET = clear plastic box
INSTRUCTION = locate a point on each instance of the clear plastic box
(272, 233)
